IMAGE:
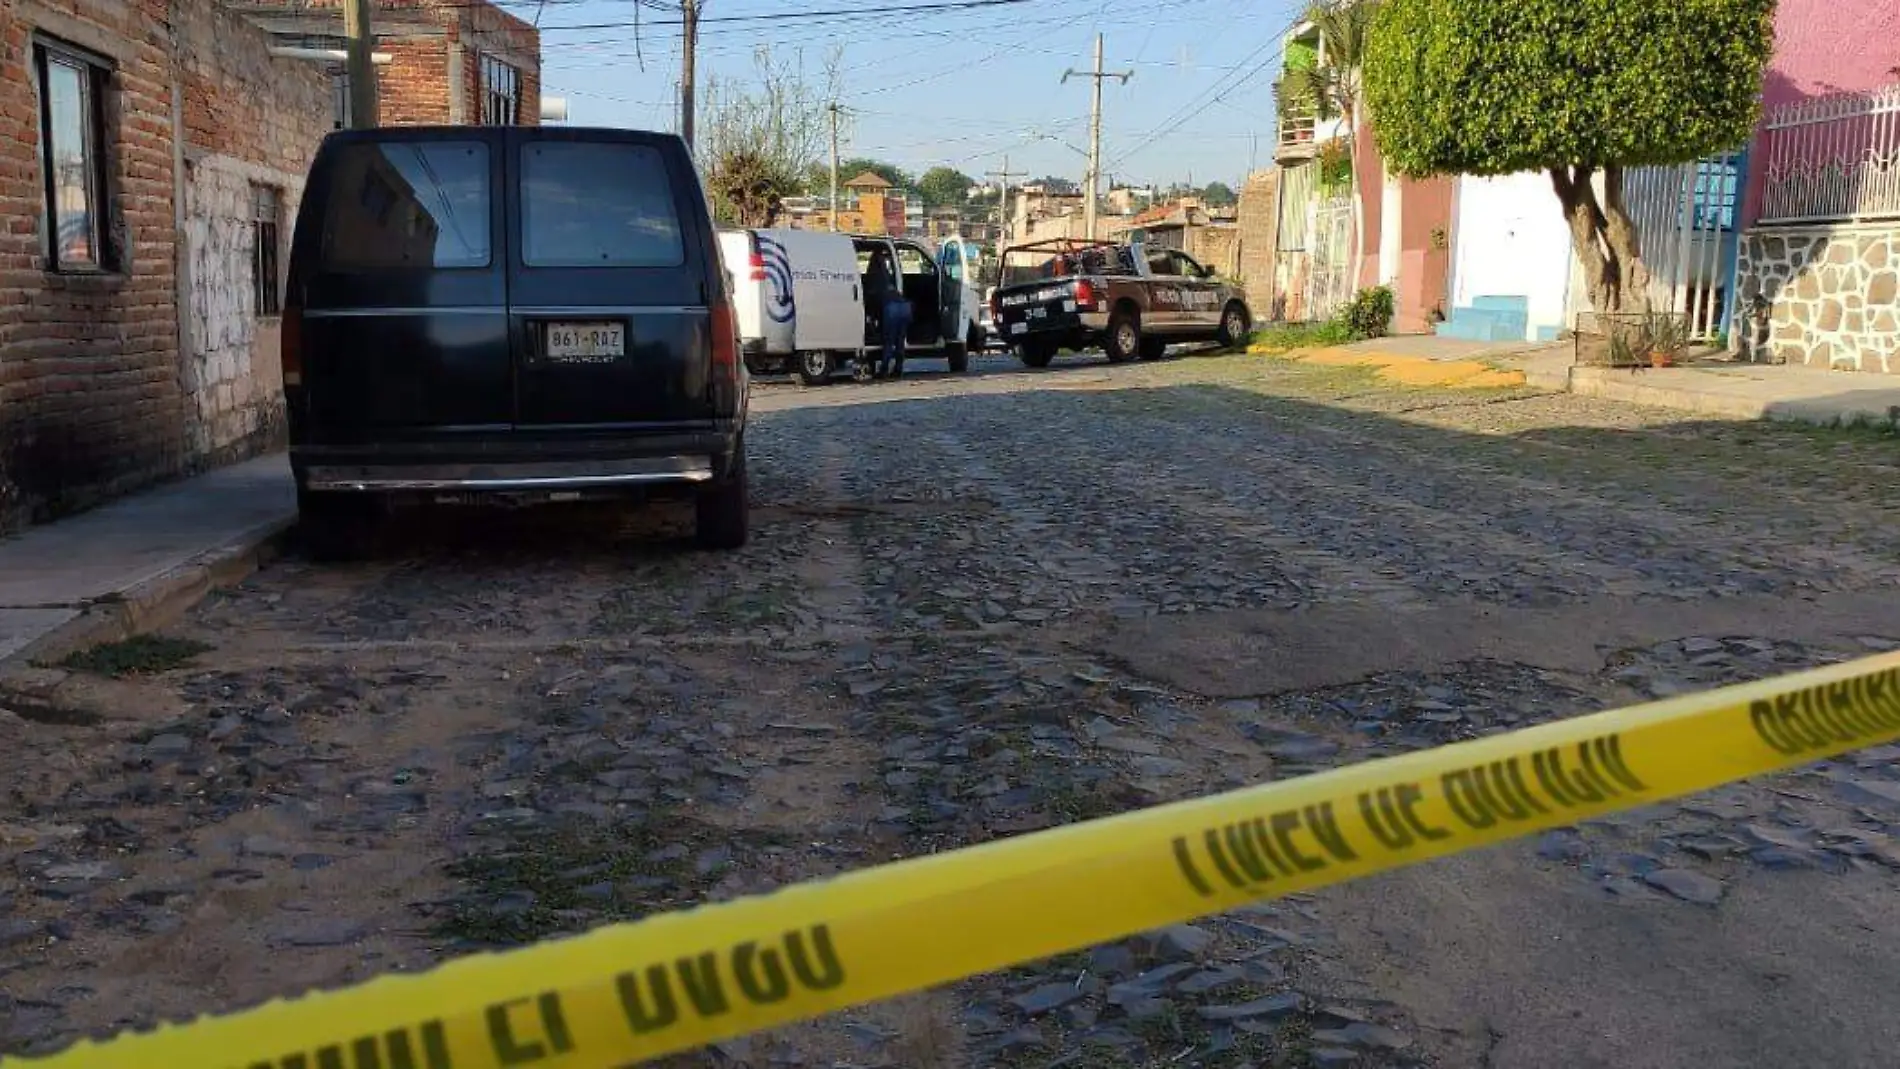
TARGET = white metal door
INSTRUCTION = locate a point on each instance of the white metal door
(1686, 219)
(1329, 281)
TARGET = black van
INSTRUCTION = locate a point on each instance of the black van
(477, 312)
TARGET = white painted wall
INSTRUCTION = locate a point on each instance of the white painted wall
(1512, 241)
(1390, 249)
(231, 371)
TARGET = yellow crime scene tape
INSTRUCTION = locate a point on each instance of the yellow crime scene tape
(632, 992)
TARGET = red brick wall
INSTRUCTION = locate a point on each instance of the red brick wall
(424, 39)
(413, 90)
(91, 397)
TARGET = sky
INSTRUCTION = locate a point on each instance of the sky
(962, 83)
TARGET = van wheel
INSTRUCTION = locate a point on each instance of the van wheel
(958, 354)
(1124, 341)
(1234, 322)
(1036, 354)
(723, 509)
(335, 527)
(814, 368)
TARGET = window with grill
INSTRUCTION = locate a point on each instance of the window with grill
(267, 213)
(501, 93)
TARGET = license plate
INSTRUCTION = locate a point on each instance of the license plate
(1019, 328)
(585, 343)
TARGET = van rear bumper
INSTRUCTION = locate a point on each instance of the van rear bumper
(546, 475)
(681, 460)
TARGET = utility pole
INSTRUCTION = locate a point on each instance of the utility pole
(834, 166)
(1095, 132)
(1002, 198)
(689, 45)
(360, 42)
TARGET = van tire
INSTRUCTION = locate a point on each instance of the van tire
(724, 510)
(334, 528)
(1124, 341)
(1036, 354)
(814, 368)
(958, 354)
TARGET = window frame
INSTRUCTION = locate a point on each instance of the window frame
(96, 74)
(267, 251)
(491, 65)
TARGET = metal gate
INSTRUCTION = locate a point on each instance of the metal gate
(1686, 221)
(1329, 277)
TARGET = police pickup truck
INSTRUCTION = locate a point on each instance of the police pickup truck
(1132, 301)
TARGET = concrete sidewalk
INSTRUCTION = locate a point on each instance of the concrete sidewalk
(1712, 387)
(139, 561)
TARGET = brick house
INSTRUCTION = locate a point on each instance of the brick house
(450, 62)
(152, 155)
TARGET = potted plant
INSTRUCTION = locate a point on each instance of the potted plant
(1666, 337)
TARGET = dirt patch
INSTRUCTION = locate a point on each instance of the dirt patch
(1245, 654)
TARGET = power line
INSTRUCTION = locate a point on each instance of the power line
(1219, 90)
(802, 16)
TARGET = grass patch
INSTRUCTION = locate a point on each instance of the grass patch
(139, 655)
(554, 882)
(1286, 337)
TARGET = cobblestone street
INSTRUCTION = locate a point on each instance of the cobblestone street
(978, 606)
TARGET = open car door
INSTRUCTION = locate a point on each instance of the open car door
(954, 286)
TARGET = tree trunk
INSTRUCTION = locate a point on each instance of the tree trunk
(1607, 243)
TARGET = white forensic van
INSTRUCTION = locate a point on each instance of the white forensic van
(800, 300)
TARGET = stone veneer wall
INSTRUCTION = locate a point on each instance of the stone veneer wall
(1833, 294)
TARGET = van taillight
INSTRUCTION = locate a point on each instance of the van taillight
(758, 266)
(1084, 294)
(725, 338)
(290, 343)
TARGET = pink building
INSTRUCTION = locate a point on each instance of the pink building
(1819, 271)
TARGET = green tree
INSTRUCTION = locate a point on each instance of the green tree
(1333, 87)
(1579, 89)
(757, 140)
(1219, 195)
(944, 186)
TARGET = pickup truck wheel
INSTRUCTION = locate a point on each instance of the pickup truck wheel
(1233, 325)
(1154, 348)
(958, 354)
(1124, 342)
(335, 527)
(1036, 354)
(814, 368)
(724, 510)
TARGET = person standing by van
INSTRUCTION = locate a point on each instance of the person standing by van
(885, 298)
(897, 316)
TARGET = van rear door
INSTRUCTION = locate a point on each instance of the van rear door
(403, 296)
(611, 278)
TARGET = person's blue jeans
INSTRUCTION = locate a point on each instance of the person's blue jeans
(896, 326)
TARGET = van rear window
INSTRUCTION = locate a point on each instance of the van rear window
(409, 204)
(594, 204)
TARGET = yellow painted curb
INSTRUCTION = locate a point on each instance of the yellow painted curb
(1494, 379)
(1434, 373)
